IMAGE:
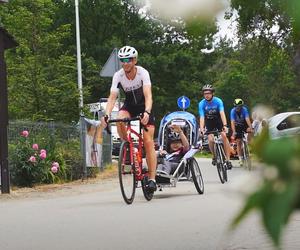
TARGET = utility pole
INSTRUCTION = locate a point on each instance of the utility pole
(79, 80)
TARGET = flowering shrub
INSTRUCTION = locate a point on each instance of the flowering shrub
(31, 165)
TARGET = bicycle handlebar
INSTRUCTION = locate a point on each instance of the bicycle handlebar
(214, 132)
(128, 120)
(136, 118)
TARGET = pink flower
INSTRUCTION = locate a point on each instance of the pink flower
(32, 159)
(43, 151)
(54, 169)
(55, 164)
(35, 146)
(43, 155)
(24, 133)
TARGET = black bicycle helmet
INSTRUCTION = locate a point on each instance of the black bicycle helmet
(208, 87)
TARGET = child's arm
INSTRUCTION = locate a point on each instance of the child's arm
(184, 140)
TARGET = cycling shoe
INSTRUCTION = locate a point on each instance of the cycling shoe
(152, 186)
(229, 165)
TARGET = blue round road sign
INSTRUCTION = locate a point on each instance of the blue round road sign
(183, 102)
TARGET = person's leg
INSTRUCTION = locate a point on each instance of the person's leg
(239, 150)
(121, 127)
(239, 146)
(150, 156)
(226, 149)
(226, 145)
(150, 151)
(211, 145)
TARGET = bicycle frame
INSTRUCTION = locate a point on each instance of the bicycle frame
(138, 168)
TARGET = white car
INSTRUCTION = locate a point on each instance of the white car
(284, 124)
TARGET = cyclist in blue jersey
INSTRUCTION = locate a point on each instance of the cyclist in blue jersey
(212, 117)
(240, 123)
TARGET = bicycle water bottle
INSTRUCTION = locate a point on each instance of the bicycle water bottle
(136, 160)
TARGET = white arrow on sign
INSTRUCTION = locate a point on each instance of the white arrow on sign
(183, 102)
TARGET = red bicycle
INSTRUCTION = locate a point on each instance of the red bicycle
(130, 164)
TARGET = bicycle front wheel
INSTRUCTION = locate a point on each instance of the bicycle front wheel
(126, 174)
(196, 175)
(221, 166)
(246, 156)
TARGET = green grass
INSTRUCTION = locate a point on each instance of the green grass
(203, 154)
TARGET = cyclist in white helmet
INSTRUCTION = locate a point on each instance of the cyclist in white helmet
(135, 82)
(212, 117)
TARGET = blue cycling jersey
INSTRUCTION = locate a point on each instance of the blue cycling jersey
(210, 109)
(239, 117)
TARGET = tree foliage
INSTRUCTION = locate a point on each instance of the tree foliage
(42, 70)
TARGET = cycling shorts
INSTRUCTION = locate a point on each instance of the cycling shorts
(137, 110)
(240, 130)
(213, 125)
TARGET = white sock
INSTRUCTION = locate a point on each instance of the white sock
(240, 158)
(152, 180)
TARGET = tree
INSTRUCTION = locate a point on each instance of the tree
(42, 76)
(258, 17)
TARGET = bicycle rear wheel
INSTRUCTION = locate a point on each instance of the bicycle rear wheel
(221, 166)
(196, 175)
(126, 174)
(148, 195)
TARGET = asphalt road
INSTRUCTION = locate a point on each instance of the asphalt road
(94, 216)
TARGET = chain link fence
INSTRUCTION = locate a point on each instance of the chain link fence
(57, 132)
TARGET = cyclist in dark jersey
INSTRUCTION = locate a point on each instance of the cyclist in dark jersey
(212, 117)
(135, 82)
(240, 123)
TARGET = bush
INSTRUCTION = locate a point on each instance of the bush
(69, 151)
(32, 163)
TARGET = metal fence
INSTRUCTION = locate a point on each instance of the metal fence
(57, 132)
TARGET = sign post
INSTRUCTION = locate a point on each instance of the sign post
(183, 102)
(6, 42)
(112, 65)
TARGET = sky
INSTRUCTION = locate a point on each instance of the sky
(206, 9)
(228, 28)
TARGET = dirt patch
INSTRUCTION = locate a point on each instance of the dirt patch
(103, 181)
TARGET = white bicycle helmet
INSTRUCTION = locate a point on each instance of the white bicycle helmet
(127, 52)
(208, 87)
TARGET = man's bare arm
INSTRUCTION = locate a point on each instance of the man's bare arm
(148, 97)
(111, 103)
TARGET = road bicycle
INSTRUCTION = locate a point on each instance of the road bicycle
(130, 164)
(220, 156)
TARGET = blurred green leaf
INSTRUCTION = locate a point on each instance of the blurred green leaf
(277, 208)
(255, 200)
(279, 152)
